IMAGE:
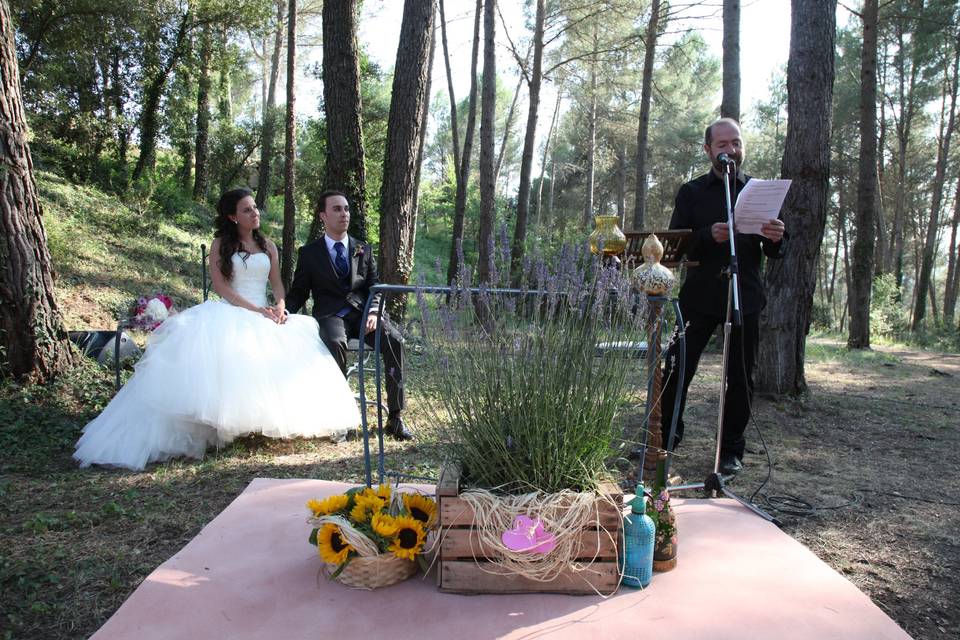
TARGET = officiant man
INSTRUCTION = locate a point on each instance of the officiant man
(338, 271)
(701, 206)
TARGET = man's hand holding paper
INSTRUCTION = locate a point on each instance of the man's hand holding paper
(758, 208)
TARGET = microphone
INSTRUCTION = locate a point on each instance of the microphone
(724, 158)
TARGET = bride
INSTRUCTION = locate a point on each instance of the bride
(225, 368)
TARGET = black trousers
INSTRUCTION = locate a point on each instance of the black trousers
(335, 331)
(742, 357)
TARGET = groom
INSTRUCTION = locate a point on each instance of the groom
(338, 271)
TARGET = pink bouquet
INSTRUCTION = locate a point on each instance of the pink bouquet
(149, 312)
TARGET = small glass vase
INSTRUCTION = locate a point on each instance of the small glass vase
(607, 239)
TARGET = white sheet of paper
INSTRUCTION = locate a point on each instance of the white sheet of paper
(759, 202)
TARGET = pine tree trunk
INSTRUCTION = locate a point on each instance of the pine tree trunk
(730, 104)
(201, 182)
(862, 267)
(507, 127)
(463, 171)
(529, 139)
(791, 280)
(149, 123)
(487, 112)
(950, 287)
(290, 152)
(408, 101)
(591, 149)
(643, 128)
(540, 218)
(904, 132)
(343, 109)
(33, 340)
(270, 112)
(400, 304)
(225, 90)
(936, 199)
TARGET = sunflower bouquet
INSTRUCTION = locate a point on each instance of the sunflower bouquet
(371, 537)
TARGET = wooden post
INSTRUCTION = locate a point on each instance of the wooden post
(656, 449)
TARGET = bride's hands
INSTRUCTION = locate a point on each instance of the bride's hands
(280, 313)
(268, 312)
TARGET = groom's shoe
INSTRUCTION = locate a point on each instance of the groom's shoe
(397, 429)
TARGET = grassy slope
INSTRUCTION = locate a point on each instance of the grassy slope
(107, 253)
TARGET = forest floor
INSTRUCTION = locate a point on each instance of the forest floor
(873, 448)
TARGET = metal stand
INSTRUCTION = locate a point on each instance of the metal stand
(715, 483)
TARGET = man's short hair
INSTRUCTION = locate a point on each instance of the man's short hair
(322, 200)
(708, 134)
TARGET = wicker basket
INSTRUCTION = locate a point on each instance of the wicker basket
(373, 572)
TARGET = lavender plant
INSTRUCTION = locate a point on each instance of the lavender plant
(530, 400)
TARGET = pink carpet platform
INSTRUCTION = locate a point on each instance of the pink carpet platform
(251, 574)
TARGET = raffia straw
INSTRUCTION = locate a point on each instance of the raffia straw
(564, 514)
(357, 539)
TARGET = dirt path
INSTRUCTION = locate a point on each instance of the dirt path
(875, 449)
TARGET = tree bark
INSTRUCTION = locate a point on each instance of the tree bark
(950, 287)
(343, 109)
(866, 215)
(539, 220)
(730, 104)
(225, 90)
(460, 199)
(643, 128)
(149, 124)
(408, 101)
(487, 112)
(201, 181)
(936, 199)
(425, 116)
(33, 341)
(791, 280)
(526, 158)
(270, 112)
(904, 130)
(591, 147)
(507, 126)
(290, 152)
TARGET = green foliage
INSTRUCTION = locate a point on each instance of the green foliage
(40, 423)
(531, 402)
(888, 317)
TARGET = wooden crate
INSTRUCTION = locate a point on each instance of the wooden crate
(464, 563)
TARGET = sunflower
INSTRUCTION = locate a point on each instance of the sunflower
(409, 539)
(421, 508)
(365, 506)
(331, 545)
(383, 492)
(384, 525)
(328, 505)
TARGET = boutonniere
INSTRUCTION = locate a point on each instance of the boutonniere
(358, 252)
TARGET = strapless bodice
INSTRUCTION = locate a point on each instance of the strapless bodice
(250, 277)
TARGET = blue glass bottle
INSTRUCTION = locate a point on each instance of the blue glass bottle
(638, 537)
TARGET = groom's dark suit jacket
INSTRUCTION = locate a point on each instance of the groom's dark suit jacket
(316, 275)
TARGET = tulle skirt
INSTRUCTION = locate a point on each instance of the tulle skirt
(214, 372)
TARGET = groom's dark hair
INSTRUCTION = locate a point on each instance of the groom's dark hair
(322, 200)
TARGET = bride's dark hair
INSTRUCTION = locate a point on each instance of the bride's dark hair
(226, 230)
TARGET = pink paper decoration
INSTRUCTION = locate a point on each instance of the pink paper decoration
(528, 536)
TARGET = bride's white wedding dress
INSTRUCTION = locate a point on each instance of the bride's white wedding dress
(214, 372)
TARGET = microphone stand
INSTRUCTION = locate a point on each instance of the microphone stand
(715, 483)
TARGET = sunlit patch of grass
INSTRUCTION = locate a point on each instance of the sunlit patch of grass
(829, 351)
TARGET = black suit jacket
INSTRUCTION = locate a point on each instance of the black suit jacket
(316, 276)
(700, 203)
